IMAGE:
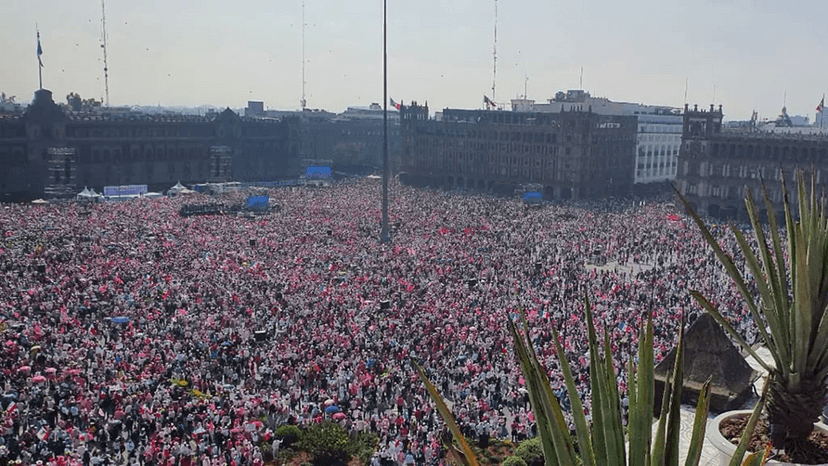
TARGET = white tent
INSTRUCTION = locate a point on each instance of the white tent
(176, 189)
(179, 189)
(88, 194)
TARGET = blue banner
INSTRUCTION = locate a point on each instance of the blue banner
(533, 197)
(130, 190)
(258, 202)
(318, 172)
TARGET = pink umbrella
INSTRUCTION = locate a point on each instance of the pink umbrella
(38, 379)
(339, 416)
(24, 369)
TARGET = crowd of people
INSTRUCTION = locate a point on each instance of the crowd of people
(133, 335)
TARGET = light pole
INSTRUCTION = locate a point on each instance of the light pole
(385, 234)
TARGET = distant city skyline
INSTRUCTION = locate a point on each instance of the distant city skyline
(756, 54)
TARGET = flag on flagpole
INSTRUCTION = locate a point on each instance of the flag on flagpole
(488, 101)
(39, 49)
(396, 105)
(821, 104)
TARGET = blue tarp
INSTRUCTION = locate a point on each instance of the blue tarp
(257, 202)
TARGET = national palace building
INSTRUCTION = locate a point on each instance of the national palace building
(48, 151)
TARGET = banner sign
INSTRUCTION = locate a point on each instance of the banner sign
(532, 197)
(318, 172)
(257, 202)
(273, 184)
(129, 190)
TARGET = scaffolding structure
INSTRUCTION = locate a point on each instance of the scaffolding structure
(61, 165)
(221, 164)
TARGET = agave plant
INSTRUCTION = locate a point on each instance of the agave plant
(791, 310)
(603, 442)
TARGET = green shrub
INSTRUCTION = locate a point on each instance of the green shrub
(363, 445)
(267, 450)
(326, 442)
(289, 434)
(284, 455)
(530, 451)
(514, 461)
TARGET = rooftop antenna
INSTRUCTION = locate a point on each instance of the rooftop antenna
(686, 85)
(494, 54)
(714, 94)
(103, 46)
(525, 82)
(303, 102)
(581, 80)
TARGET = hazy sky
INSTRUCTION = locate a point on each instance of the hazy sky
(224, 53)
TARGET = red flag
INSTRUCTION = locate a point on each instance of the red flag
(821, 104)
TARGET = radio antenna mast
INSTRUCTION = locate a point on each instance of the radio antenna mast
(525, 81)
(494, 54)
(103, 46)
(303, 102)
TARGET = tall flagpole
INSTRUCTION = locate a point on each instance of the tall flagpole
(822, 114)
(385, 235)
(39, 63)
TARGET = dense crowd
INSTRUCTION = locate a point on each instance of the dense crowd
(133, 335)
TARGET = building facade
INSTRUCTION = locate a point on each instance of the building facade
(716, 164)
(659, 143)
(45, 150)
(659, 129)
(572, 154)
(351, 141)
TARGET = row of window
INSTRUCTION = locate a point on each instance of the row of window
(767, 151)
(666, 172)
(651, 128)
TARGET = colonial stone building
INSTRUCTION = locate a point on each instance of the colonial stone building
(572, 154)
(715, 165)
(351, 141)
(46, 151)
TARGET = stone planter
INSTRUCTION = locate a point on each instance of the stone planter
(724, 449)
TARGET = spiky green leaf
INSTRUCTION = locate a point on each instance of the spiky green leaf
(445, 413)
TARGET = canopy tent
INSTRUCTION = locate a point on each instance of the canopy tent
(88, 194)
(179, 189)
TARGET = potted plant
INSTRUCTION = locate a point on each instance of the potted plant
(605, 441)
(790, 312)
